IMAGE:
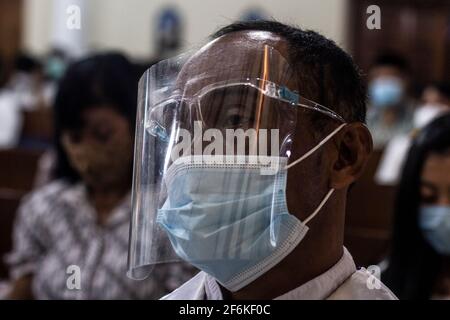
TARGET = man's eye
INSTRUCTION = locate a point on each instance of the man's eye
(238, 118)
(234, 120)
(239, 121)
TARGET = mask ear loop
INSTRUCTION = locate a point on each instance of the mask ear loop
(321, 143)
(306, 155)
(322, 203)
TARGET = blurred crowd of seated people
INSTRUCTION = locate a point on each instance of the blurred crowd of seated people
(79, 215)
(31, 86)
(434, 101)
(393, 110)
(413, 134)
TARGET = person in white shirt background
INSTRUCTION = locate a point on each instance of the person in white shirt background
(435, 101)
(333, 155)
(30, 87)
(21, 92)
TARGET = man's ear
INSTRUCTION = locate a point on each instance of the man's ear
(354, 147)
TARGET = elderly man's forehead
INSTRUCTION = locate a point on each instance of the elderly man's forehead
(234, 54)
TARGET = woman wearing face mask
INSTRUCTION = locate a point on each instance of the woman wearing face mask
(71, 236)
(390, 105)
(419, 263)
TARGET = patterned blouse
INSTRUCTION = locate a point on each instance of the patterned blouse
(56, 238)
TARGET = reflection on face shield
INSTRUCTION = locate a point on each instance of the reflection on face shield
(244, 105)
(238, 117)
(211, 166)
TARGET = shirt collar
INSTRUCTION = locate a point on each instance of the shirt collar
(318, 288)
(322, 286)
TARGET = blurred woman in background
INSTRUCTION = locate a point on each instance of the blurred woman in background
(71, 236)
(419, 263)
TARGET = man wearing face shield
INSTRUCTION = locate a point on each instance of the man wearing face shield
(262, 219)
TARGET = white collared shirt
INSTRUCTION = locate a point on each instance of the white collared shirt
(342, 281)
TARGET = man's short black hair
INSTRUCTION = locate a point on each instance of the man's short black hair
(327, 74)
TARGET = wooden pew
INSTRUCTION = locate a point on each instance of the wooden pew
(17, 168)
(369, 216)
(38, 124)
(17, 172)
(9, 201)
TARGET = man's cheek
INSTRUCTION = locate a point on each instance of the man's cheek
(305, 187)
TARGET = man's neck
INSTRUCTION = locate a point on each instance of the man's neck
(304, 264)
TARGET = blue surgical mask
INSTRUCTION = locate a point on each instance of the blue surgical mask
(434, 222)
(385, 92)
(235, 224)
(55, 68)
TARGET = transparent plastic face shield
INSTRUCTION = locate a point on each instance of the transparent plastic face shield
(210, 115)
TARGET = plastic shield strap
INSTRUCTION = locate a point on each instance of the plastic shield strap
(212, 134)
